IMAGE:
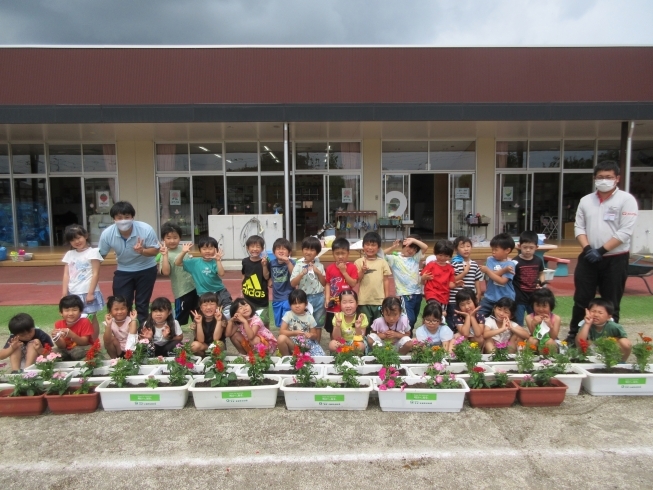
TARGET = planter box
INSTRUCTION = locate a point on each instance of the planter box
(636, 384)
(63, 404)
(572, 378)
(228, 359)
(403, 359)
(144, 398)
(318, 371)
(285, 360)
(549, 396)
(18, 406)
(235, 397)
(363, 370)
(327, 398)
(421, 400)
(457, 368)
(493, 397)
(144, 370)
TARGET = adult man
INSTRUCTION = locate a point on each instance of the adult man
(136, 245)
(604, 224)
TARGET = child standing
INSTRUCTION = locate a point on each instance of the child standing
(499, 327)
(25, 343)
(392, 326)
(82, 273)
(529, 274)
(296, 323)
(281, 267)
(72, 334)
(500, 271)
(255, 278)
(246, 329)
(433, 331)
(206, 271)
(340, 276)
(466, 270)
(373, 276)
(208, 325)
(598, 324)
(119, 323)
(438, 275)
(405, 268)
(467, 320)
(183, 286)
(543, 324)
(346, 324)
(309, 276)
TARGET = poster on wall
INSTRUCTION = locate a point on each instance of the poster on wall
(461, 192)
(507, 194)
(103, 201)
(459, 204)
(175, 197)
(347, 194)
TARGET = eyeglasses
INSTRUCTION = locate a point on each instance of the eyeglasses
(435, 321)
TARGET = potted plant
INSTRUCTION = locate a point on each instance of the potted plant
(500, 353)
(424, 354)
(385, 355)
(45, 362)
(92, 360)
(541, 389)
(26, 397)
(497, 392)
(347, 353)
(580, 355)
(569, 374)
(437, 390)
(63, 399)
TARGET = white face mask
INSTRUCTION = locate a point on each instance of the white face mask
(124, 224)
(605, 185)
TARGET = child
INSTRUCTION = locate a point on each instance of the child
(405, 268)
(392, 326)
(72, 334)
(246, 329)
(433, 330)
(500, 328)
(308, 274)
(500, 272)
(208, 325)
(183, 286)
(467, 271)
(468, 321)
(340, 276)
(25, 343)
(373, 276)
(529, 274)
(346, 324)
(255, 278)
(438, 275)
(280, 269)
(206, 271)
(161, 328)
(82, 273)
(298, 323)
(598, 324)
(543, 324)
(119, 322)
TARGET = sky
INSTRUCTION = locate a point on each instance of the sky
(327, 22)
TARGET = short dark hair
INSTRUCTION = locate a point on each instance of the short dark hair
(297, 296)
(413, 245)
(20, 323)
(606, 166)
(255, 240)
(543, 296)
(502, 240)
(122, 207)
(170, 228)
(312, 243)
(432, 308)
(340, 244)
(281, 243)
(348, 292)
(444, 247)
(466, 294)
(461, 239)
(372, 237)
(208, 298)
(71, 301)
(73, 231)
(237, 304)
(506, 303)
(528, 236)
(605, 303)
(112, 300)
(391, 303)
(207, 241)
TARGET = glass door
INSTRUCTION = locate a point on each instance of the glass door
(310, 205)
(513, 203)
(546, 200)
(396, 195)
(461, 202)
(66, 204)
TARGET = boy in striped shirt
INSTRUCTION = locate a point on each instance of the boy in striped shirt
(466, 270)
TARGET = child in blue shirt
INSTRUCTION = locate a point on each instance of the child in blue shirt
(281, 267)
(500, 272)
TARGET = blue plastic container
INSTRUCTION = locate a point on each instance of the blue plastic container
(3, 253)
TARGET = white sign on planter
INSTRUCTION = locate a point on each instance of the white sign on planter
(621, 384)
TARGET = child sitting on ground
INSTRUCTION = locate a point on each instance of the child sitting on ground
(468, 321)
(246, 329)
(434, 331)
(391, 327)
(281, 267)
(161, 328)
(73, 334)
(340, 276)
(25, 343)
(309, 276)
(543, 324)
(208, 325)
(299, 324)
(373, 276)
(500, 271)
(255, 278)
(499, 327)
(347, 325)
(598, 324)
(119, 322)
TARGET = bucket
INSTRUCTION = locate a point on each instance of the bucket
(3, 253)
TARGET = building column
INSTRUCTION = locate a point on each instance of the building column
(485, 180)
(371, 184)
(136, 181)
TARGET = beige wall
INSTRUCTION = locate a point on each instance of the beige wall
(136, 178)
(372, 198)
(485, 180)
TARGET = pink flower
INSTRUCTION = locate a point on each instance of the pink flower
(30, 374)
(382, 373)
(160, 358)
(40, 359)
(144, 341)
(52, 356)
(438, 379)
(113, 362)
(499, 370)
(437, 366)
(391, 383)
(459, 340)
(452, 376)
(59, 375)
(261, 350)
(501, 345)
(545, 362)
(528, 377)
(382, 388)
(299, 364)
(190, 365)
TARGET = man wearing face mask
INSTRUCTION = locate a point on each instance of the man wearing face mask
(604, 224)
(136, 246)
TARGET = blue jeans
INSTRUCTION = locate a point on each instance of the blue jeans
(412, 303)
(486, 306)
(519, 313)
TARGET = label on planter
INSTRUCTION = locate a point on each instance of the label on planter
(629, 382)
(237, 394)
(421, 396)
(329, 399)
(145, 399)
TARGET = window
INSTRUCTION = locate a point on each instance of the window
(271, 157)
(242, 194)
(641, 186)
(609, 151)
(65, 158)
(579, 154)
(344, 156)
(544, 154)
(206, 156)
(453, 155)
(99, 158)
(28, 159)
(311, 156)
(4, 159)
(511, 154)
(404, 155)
(641, 154)
(242, 157)
(171, 157)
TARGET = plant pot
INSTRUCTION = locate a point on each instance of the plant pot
(493, 397)
(14, 406)
(285, 360)
(573, 379)
(235, 397)
(403, 359)
(421, 400)
(317, 370)
(458, 368)
(69, 403)
(363, 370)
(601, 384)
(228, 359)
(545, 396)
(327, 398)
(143, 398)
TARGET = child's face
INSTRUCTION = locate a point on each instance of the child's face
(348, 304)
(71, 315)
(464, 249)
(432, 324)
(281, 253)
(309, 254)
(26, 336)
(171, 240)
(599, 315)
(159, 316)
(208, 252)
(500, 254)
(442, 259)
(119, 311)
(79, 242)
(502, 313)
(371, 249)
(254, 250)
(245, 310)
(408, 251)
(391, 316)
(527, 250)
(541, 309)
(467, 306)
(298, 308)
(209, 308)
(341, 255)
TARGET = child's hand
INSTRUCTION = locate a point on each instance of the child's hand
(506, 324)
(218, 313)
(107, 320)
(509, 269)
(133, 315)
(186, 247)
(460, 283)
(484, 269)
(342, 266)
(90, 297)
(588, 317)
(396, 244)
(163, 250)
(408, 241)
(464, 314)
(138, 248)
(197, 317)
(365, 268)
(427, 277)
(359, 321)
(15, 344)
(338, 319)
(165, 331)
(218, 255)
(537, 319)
(147, 333)
(264, 261)
(36, 343)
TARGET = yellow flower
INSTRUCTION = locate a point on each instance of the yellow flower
(473, 345)
(564, 342)
(435, 348)
(613, 339)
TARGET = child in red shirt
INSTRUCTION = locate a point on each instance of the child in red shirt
(339, 276)
(73, 335)
(439, 276)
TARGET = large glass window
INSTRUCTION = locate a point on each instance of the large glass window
(6, 214)
(310, 205)
(66, 205)
(272, 195)
(242, 157)
(344, 156)
(99, 195)
(609, 151)
(344, 192)
(242, 194)
(641, 186)
(174, 203)
(32, 211)
(453, 155)
(514, 204)
(172, 157)
(574, 188)
(404, 155)
(99, 158)
(641, 154)
(28, 159)
(579, 154)
(311, 156)
(271, 157)
(4, 159)
(208, 198)
(65, 158)
(546, 199)
(206, 156)
(511, 154)
(544, 154)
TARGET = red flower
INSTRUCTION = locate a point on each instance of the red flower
(47, 348)
(341, 341)
(216, 350)
(190, 365)
(219, 366)
(296, 352)
(128, 355)
(583, 345)
(250, 357)
(182, 357)
(545, 351)
(479, 369)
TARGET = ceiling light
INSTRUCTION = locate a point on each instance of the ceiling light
(202, 148)
(329, 147)
(266, 148)
(277, 160)
(228, 161)
(272, 155)
(219, 156)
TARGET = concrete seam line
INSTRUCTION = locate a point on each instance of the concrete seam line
(257, 459)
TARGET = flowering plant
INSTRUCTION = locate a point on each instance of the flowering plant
(390, 379)
(238, 360)
(92, 359)
(60, 384)
(185, 347)
(561, 363)
(157, 360)
(45, 362)
(500, 353)
(259, 363)
(438, 377)
(27, 384)
(643, 351)
(349, 378)
(525, 357)
(422, 353)
(540, 377)
(302, 363)
(142, 351)
(386, 355)
(302, 343)
(217, 372)
(579, 354)
(121, 368)
(3, 371)
(467, 352)
(346, 353)
(608, 351)
(179, 369)
(478, 381)
(151, 382)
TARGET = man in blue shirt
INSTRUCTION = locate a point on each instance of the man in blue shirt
(136, 246)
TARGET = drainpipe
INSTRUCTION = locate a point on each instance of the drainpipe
(629, 148)
(286, 186)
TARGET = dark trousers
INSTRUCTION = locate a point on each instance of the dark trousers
(165, 349)
(137, 288)
(608, 275)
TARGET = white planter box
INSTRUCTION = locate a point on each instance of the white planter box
(143, 398)
(144, 370)
(486, 359)
(318, 371)
(228, 359)
(235, 397)
(403, 359)
(456, 367)
(572, 379)
(421, 400)
(327, 398)
(363, 370)
(285, 360)
(636, 384)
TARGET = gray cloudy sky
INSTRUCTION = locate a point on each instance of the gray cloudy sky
(320, 22)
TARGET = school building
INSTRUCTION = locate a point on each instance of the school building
(344, 135)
